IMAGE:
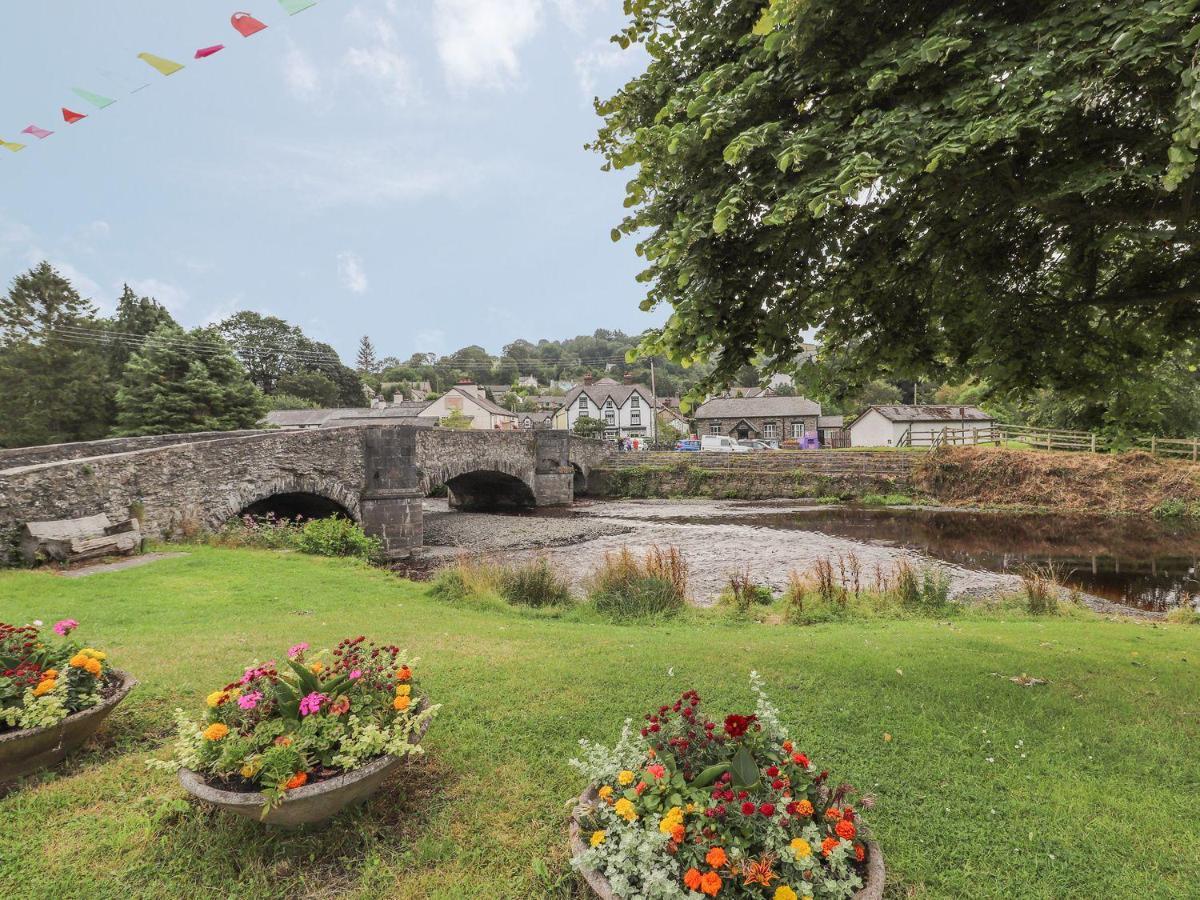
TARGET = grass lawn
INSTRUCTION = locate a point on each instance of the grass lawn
(1083, 788)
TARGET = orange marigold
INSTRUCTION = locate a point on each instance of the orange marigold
(716, 857)
(710, 883)
(691, 879)
(93, 666)
(45, 686)
(401, 702)
(297, 780)
(804, 808)
(50, 673)
(859, 853)
(833, 814)
(846, 829)
(405, 674)
(677, 834)
(215, 731)
(828, 845)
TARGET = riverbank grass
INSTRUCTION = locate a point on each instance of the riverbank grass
(985, 786)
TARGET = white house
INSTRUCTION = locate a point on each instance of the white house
(892, 426)
(627, 410)
(469, 400)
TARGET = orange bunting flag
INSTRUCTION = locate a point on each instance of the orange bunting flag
(71, 117)
(246, 24)
(163, 65)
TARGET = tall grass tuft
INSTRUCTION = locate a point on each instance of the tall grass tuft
(534, 583)
(743, 593)
(1041, 590)
(625, 586)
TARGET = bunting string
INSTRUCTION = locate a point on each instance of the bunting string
(242, 22)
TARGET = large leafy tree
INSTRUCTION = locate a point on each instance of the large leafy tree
(53, 384)
(1006, 189)
(184, 381)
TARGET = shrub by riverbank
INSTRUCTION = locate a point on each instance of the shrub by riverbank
(964, 763)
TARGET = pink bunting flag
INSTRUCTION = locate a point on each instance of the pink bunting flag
(39, 133)
(206, 52)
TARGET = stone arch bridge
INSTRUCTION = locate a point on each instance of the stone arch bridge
(375, 475)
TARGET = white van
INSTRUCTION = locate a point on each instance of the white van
(719, 443)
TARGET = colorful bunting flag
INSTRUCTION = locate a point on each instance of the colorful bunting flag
(96, 100)
(206, 52)
(39, 133)
(246, 24)
(163, 65)
(9, 145)
(291, 7)
(71, 117)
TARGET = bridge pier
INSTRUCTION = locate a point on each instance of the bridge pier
(391, 499)
(554, 477)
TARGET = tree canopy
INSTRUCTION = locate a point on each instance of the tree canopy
(941, 189)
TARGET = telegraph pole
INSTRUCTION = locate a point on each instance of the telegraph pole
(653, 405)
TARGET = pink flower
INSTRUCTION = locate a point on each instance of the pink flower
(250, 700)
(657, 770)
(296, 649)
(356, 674)
(312, 703)
(65, 627)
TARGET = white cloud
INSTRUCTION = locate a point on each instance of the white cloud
(431, 340)
(354, 172)
(173, 297)
(376, 55)
(600, 58)
(573, 12)
(97, 231)
(300, 73)
(478, 40)
(351, 272)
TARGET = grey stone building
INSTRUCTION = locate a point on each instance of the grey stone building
(764, 417)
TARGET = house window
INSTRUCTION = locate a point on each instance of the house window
(583, 405)
(797, 430)
(610, 414)
(714, 428)
(634, 403)
(635, 417)
(770, 430)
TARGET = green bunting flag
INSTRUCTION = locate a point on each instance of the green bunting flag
(96, 100)
(291, 7)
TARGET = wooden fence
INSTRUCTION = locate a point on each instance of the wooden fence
(1052, 439)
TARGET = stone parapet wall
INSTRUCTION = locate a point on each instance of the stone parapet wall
(32, 456)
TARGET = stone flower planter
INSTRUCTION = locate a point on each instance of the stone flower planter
(304, 805)
(872, 889)
(24, 752)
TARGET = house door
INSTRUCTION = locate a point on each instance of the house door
(743, 432)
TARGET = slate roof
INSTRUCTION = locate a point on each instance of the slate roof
(928, 413)
(600, 393)
(757, 407)
(493, 408)
(831, 421)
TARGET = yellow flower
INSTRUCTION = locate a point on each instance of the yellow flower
(401, 702)
(317, 668)
(45, 686)
(673, 817)
(403, 690)
(783, 892)
(625, 810)
(605, 792)
(691, 808)
(597, 838)
(801, 847)
(215, 699)
(94, 654)
(215, 731)
(249, 770)
(625, 777)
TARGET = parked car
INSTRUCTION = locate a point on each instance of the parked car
(755, 446)
(719, 443)
(688, 444)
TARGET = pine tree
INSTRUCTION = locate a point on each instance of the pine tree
(367, 363)
(54, 380)
(136, 318)
(182, 382)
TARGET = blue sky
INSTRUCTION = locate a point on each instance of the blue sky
(409, 169)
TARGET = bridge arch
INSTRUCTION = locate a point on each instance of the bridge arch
(325, 495)
(491, 482)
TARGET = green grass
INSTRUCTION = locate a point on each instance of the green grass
(1101, 804)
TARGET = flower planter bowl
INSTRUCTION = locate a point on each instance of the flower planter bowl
(304, 805)
(872, 888)
(27, 751)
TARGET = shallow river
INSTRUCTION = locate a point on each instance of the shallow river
(1139, 563)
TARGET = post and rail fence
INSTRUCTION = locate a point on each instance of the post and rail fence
(1050, 439)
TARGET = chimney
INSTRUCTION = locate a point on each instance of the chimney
(628, 378)
(588, 380)
(467, 386)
